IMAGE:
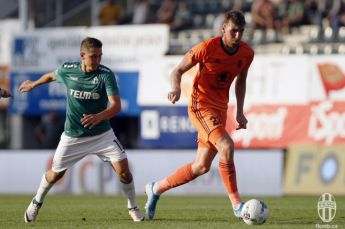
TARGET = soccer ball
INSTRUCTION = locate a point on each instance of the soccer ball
(254, 212)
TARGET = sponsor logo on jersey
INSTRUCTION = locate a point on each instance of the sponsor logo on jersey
(84, 94)
(239, 63)
(69, 65)
(95, 80)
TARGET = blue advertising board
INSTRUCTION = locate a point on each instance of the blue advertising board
(166, 127)
(128, 85)
(52, 96)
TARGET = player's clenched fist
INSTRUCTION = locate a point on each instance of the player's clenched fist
(26, 86)
(174, 95)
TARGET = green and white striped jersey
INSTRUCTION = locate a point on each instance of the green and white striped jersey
(87, 93)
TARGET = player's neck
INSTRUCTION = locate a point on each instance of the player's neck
(230, 49)
(84, 68)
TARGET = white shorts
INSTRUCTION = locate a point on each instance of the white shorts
(71, 150)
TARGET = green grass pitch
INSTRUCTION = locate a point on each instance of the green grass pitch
(199, 212)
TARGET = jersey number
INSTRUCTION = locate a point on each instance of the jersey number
(215, 120)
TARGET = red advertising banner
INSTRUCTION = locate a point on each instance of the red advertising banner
(278, 126)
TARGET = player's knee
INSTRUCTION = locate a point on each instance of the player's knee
(227, 149)
(125, 177)
(200, 169)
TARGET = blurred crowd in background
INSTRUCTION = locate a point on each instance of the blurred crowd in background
(297, 23)
(278, 16)
(274, 18)
(294, 22)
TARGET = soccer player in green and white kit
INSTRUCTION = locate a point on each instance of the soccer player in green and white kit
(92, 99)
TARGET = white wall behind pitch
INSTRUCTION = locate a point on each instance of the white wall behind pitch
(259, 172)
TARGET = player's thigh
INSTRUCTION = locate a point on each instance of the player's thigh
(210, 124)
(69, 151)
(109, 148)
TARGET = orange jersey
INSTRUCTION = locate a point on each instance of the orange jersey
(217, 70)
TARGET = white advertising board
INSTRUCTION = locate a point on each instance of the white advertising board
(154, 82)
(258, 172)
(7, 28)
(46, 49)
(123, 46)
(272, 80)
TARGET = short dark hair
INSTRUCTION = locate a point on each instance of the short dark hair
(90, 42)
(235, 17)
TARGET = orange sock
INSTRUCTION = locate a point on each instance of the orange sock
(228, 174)
(179, 177)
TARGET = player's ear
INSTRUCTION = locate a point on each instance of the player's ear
(222, 30)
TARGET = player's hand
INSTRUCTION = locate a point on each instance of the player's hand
(174, 95)
(26, 86)
(242, 121)
(90, 120)
(4, 93)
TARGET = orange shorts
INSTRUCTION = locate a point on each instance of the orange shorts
(210, 124)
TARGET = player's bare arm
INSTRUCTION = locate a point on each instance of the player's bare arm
(240, 90)
(114, 107)
(28, 85)
(175, 79)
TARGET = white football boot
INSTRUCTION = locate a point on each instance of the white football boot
(32, 211)
(136, 214)
(238, 210)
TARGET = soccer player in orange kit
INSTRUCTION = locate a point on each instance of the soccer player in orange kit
(221, 60)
